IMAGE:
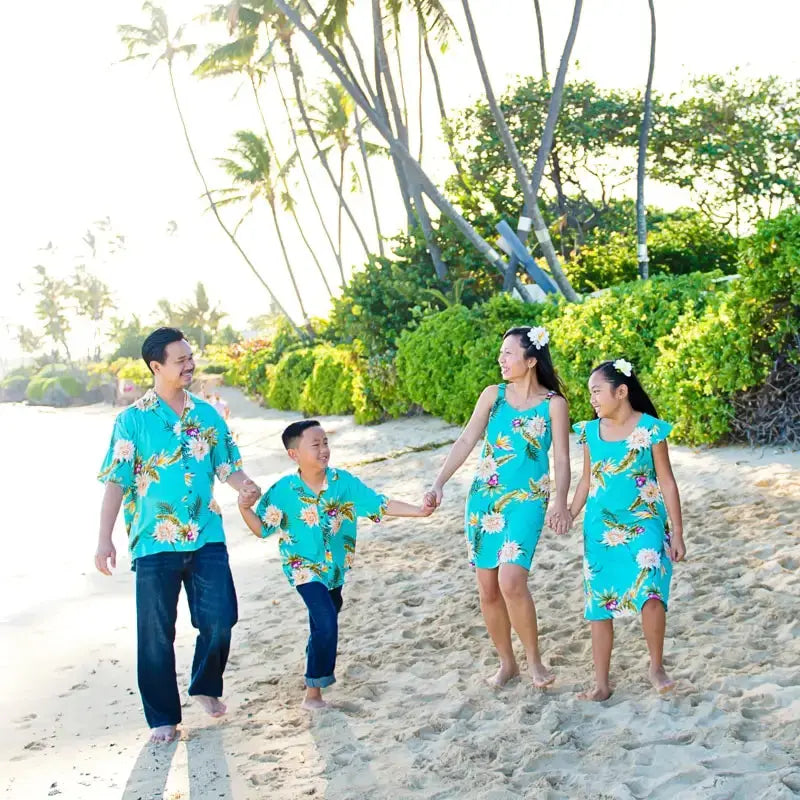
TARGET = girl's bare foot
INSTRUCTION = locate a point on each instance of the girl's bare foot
(163, 734)
(598, 694)
(504, 675)
(662, 682)
(540, 675)
(211, 705)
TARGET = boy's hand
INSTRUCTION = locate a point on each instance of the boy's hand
(425, 510)
(248, 494)
(677, 548)
(434, 495)
(559, 519)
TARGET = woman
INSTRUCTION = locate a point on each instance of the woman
(508, 499)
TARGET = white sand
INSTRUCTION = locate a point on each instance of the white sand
(413, 718)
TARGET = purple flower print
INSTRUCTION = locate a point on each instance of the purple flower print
(612, 605)
(137, 468)
(640, 481)
(639, 529)
(295, 563)
(494, 480)
(516, 423)
(331, 512)
(193, 431)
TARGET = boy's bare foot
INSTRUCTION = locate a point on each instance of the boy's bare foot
(504, 675)
(540, 675)
(662, 682)
(163, 734)
(211, 705)
(598, 694)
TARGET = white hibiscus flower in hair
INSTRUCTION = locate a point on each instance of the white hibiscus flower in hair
(539, 337)
(623, 366)
(510, 551)
(123, 450)
(493, 522)
(648, 559)
(639, 439)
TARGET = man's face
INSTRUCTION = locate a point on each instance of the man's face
(177, 370)
(312, 452)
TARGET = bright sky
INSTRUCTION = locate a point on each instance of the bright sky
(85, 137)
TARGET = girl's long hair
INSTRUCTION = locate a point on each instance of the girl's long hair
(637, 396)
(545, 371)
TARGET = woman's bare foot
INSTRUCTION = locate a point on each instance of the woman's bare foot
(163, 734)
(598, 694)
(540, 675)
(504, 675)
(211, 705)
(662, 682)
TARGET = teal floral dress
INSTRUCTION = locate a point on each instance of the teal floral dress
(625, 529)
(508, 499)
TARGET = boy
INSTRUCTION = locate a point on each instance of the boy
(314, 513)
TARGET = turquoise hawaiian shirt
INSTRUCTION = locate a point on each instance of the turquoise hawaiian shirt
(166, 465)
(317, 532)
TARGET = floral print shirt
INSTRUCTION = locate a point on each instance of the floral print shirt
(166, 467)
(317, 532)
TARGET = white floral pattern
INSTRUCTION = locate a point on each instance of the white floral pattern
(124, 450)
(493, 522)
(510, 551)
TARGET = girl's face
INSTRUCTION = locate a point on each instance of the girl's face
(511, 359)
(605, 399)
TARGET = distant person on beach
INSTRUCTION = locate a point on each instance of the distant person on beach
(508, 500)
(165, 451)
(220, 406)
(314, 511)
(630, 494)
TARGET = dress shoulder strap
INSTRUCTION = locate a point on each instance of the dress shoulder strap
(501, 391)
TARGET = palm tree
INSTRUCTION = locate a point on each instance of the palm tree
(531, 201)
(159, 42)
(362, 146)
(255, 176)
(644, 131)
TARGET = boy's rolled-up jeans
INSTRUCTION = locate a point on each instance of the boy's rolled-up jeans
(323, 620)
(206, 576)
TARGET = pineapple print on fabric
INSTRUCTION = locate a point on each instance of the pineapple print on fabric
(625, 530)
(508, 498)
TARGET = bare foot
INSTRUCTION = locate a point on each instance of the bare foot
(211, 705)
(504, 675)
(540, 675)
(662, 682)
(598, 694)
(313, 704)
(163, 734)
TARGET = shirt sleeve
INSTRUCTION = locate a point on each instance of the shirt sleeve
(119, 461)
(580, 429)
(272, 516)
(225, 456)
(366, 501)
(660, 431)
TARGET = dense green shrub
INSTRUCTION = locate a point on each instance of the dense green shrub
(285, 386)
(13, 387)
(329, 387)
(377, 392)
(54, 390)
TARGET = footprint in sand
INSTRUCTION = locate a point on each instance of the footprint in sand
(24, 719)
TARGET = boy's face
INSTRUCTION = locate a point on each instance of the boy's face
(312, 452)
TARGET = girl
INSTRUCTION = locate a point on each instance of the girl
(507, 502)
(628, 548)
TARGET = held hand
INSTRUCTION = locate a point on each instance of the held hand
(105, 553)
(426, 509)
(434, 496)
(249, 494)
(559, 519)
(677, 548)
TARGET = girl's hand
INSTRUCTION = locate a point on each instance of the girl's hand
(434, 496)
(559, 519)
(677, 548)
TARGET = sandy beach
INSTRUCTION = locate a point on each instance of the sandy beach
(412, 716)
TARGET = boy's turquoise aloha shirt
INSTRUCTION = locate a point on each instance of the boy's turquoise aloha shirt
(166, 465)
(317, 532)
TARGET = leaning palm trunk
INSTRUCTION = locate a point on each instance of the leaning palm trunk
(288, 263)
(531, 202)
(397, 147)
(215, 211)
(363, 148)
(641, 218)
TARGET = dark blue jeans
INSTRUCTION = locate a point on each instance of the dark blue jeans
(212, 605)
(323, 606)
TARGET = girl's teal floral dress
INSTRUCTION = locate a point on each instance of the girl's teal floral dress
(508, 498)
(625, 530)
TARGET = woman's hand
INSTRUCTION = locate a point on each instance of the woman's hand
(559, 519)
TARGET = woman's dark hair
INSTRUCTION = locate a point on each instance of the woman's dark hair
(545, 371)
(636, 394)
(155, 344)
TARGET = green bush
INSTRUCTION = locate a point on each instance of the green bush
(132, 369)
(285, 386)
(13, 388)
(329, 387)
(58, 390)
(377, 393)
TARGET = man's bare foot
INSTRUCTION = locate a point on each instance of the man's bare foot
(163, 734)
(662, 682)
(503, 675)
(211, 705)
(598, 694)
(540, 675)
(313, 704)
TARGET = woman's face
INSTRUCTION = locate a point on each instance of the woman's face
(605, 399)
(513, 363)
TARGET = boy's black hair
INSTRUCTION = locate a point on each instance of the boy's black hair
(291, 436)
(545, 371)
(155, 345)
(637, 396)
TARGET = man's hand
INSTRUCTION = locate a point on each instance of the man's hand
(105, 552)
(249, 493)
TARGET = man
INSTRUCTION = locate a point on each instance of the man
(165, 452)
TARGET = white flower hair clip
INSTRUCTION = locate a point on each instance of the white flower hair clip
(623, 366)
(539, 337)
